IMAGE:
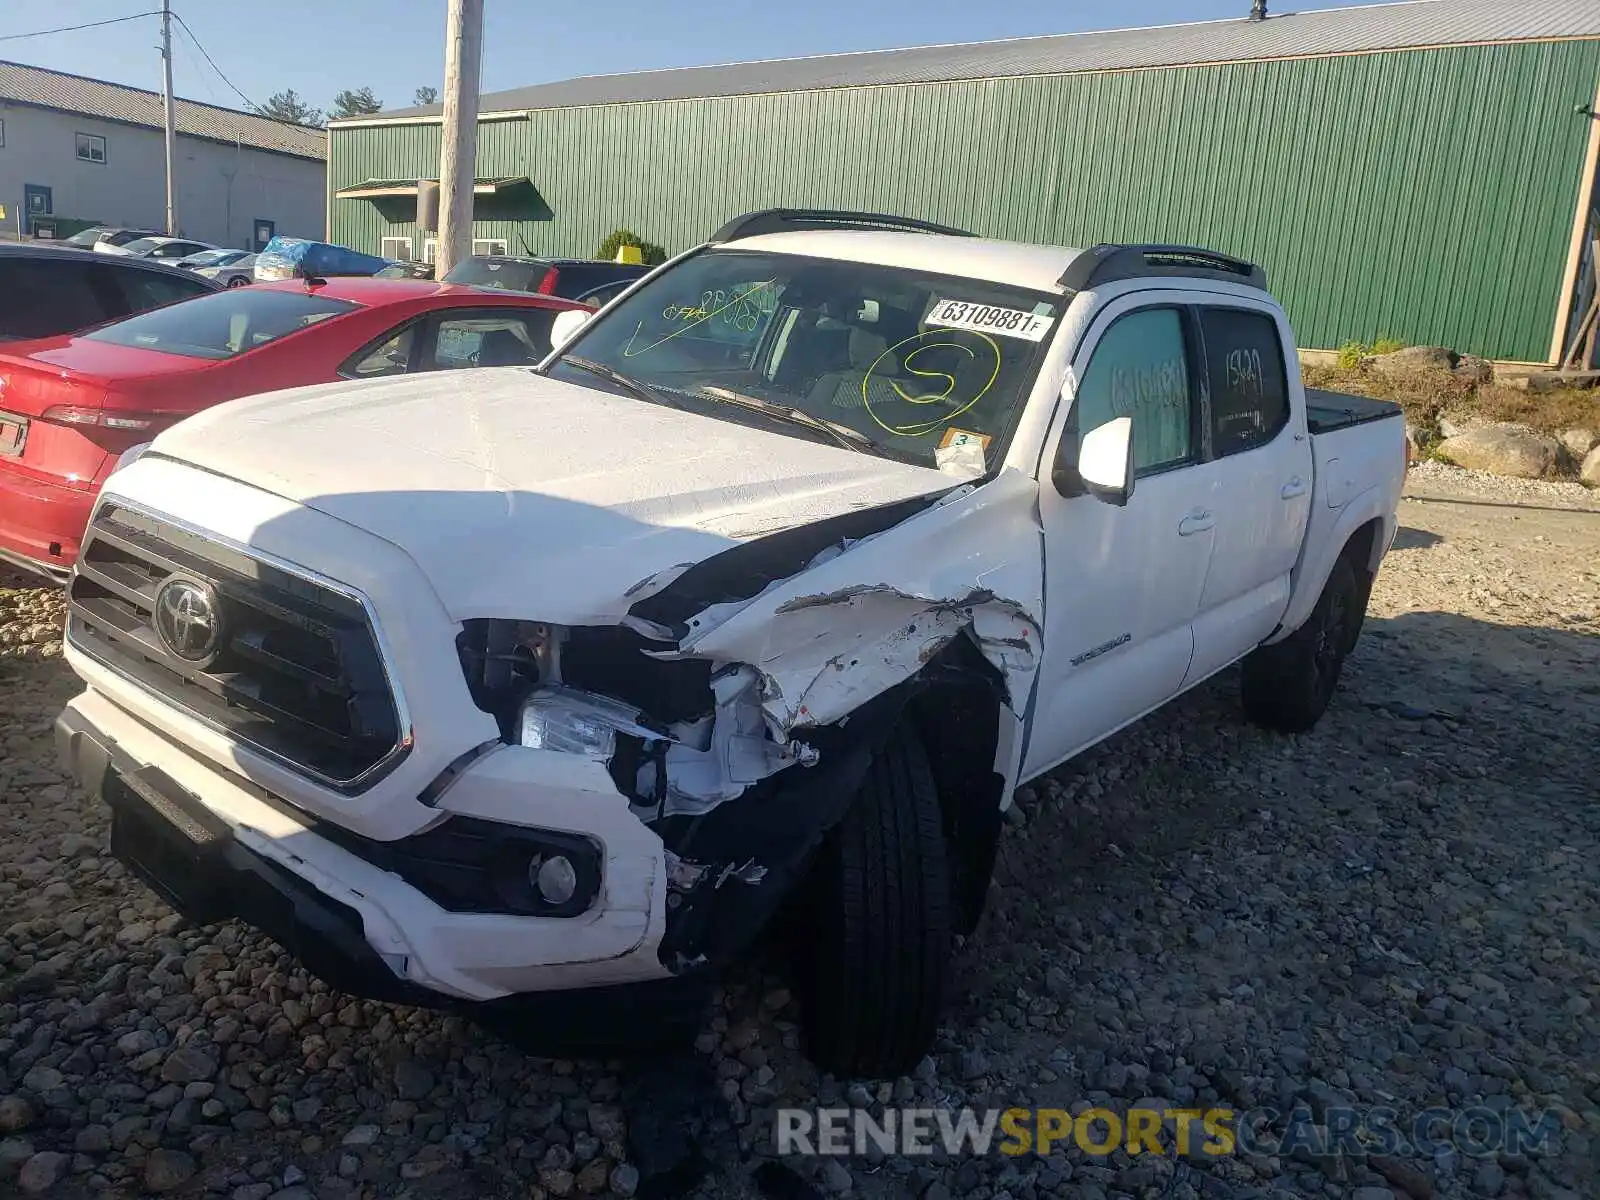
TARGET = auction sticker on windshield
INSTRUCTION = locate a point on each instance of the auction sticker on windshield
(988, 318)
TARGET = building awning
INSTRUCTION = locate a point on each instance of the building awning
(378, 189)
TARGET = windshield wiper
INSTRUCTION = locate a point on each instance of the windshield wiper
(642, 390)
(851, 439)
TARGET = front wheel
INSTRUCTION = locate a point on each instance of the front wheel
(1287, 686)
(874, 939)
(238, 281)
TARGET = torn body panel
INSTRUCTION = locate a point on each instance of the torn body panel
(856, 623)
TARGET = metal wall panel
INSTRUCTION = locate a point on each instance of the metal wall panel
(1421, 195)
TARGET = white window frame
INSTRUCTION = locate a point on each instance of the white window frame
(385, 252)
(430, 250)
(90, 139)
(487, 246)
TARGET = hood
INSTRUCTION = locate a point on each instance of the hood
(522, 496)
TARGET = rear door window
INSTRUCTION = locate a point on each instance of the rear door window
(391, 356)
(1249, 385)
(142, 290)
(501, 337)
(223, 324)
(44, 297)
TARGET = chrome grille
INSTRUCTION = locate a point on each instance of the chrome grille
(296, 672)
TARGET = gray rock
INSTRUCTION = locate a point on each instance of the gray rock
(15, 1113)
(1415, 358)
(362, 1135)
(835, 1177)
(1502, 450)
(1578, 442)
(43, 1171)
(1489, 1179)
(625, 1179)
(412, 1081)
(1589, 471)
(92, 1139)
(188, 1064)
(252, 1191)
(167, 1170)
(14, 1151)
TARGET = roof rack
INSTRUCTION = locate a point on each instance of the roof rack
(1108, 263)
(786, 220)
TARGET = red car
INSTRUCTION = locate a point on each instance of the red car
(70, 405)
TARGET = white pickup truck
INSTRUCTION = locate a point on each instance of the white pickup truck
(541, 692)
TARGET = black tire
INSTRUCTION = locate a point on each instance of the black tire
(872, 954)
(1288, 686)
(237, 281)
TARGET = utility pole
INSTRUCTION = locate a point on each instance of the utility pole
(166, 95)
(458, 148)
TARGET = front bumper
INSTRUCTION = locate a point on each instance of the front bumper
(216, 846)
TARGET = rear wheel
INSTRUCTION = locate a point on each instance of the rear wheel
(1287, 686)
(238, 281)
(873, 940)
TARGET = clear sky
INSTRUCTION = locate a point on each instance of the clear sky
(318, 47)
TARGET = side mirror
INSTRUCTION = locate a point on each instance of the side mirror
(1105, 461)
(566, 325)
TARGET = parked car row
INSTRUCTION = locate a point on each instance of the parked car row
(72, 403)
(588, 281)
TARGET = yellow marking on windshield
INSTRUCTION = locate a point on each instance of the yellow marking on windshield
(923, 428)
(700, 318)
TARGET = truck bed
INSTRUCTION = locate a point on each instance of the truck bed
(1330, 411)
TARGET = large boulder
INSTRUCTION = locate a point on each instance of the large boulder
(1474, 369)
(1589, 473)
(1579, 442)
(1503, 450)
(1416, 358)
(1455, 423)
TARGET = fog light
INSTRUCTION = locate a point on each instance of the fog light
(555, 878)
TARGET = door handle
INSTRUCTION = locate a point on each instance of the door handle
(1295, 487)
(1195, 522)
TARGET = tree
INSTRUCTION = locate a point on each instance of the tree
(358, 103)
(288, 106)
(427, 95)
(649, 251)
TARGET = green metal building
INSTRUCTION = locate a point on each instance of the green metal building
(1422, 171)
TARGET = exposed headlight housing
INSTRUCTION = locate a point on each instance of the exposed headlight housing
(570, 721)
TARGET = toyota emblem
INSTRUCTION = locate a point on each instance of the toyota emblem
(187, 619)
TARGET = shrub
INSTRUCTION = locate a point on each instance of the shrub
(1351, 354)
(653, 254)
(1387, 346)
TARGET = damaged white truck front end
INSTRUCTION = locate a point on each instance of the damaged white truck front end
(525, 691)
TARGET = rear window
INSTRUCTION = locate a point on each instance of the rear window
(223, 324)
(502, 274)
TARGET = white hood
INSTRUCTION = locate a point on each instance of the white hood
(522, 496)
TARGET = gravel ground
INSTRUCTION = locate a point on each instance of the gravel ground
(1400, 908)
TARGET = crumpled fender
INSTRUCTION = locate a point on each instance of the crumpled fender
(853, 625)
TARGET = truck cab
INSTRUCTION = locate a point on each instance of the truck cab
(754, 602)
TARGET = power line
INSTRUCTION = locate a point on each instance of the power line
(184, 25)
(17, 37)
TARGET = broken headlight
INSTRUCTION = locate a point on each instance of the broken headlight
(570, 721)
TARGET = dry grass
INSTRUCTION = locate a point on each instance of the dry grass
(1424, 394)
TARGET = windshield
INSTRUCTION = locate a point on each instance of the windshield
(929, 368)
(142, 245)
(503, 274)
(87, 237)
(222, 324)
